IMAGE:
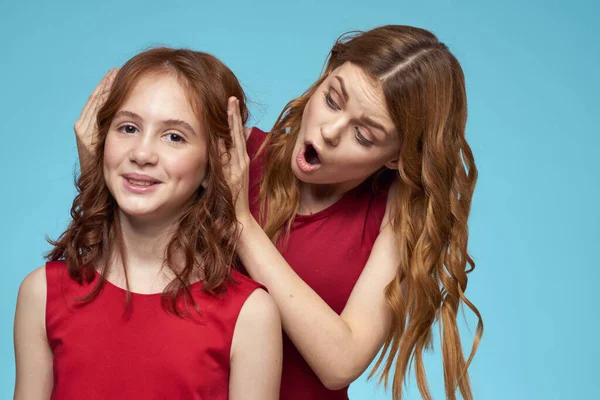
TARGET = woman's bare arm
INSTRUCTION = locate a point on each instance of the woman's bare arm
(337, 347)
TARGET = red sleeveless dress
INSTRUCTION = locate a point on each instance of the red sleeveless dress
(104, 351)
(328, 250)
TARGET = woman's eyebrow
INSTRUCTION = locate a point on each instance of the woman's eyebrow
(364, 119)
(344, 92)
(375, 125)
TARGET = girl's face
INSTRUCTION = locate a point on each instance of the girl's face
(346, 132)
(155, 155)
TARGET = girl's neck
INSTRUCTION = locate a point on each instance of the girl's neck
(145, 244)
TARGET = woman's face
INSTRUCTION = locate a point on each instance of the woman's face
(155, 155)
(346, 132)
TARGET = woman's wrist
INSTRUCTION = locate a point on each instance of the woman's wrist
(246, 219)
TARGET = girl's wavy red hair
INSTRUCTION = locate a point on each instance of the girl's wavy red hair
(207, 230)
(424, 88)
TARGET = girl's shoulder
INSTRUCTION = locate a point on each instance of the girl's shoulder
(244, 283)
(33, 288)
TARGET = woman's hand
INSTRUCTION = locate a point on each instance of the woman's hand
(237, 163)
(86, 129)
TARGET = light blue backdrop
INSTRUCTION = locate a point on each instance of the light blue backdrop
(533, 86)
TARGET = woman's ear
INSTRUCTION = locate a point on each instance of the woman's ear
(392, 164)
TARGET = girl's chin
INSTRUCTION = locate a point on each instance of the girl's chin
(142, 212)
(136, 213)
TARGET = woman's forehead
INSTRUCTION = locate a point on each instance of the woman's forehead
(363, 91)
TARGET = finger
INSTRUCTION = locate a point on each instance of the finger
(103, 96)
(84, 116)
(88, 122)
(230, 118)
(232, 124)
(100, 89)
(239, 131)
(237, 122)
(223, 151)
(99, 102)
(233, 156)
(230, 115)
(225, 159)
(242, 133)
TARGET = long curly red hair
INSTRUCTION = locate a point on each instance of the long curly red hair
(424, 88)
(207, 230)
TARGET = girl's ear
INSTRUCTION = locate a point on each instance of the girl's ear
(204, 183)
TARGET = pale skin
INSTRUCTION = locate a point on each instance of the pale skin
(338, 348)
(147, 140)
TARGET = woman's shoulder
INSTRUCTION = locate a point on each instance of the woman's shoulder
(255, 132)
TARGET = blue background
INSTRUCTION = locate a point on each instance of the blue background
(533, 87)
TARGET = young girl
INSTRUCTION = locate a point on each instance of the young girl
(357, 214)
(138, 300)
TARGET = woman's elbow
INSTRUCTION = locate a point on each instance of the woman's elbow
(340, 378)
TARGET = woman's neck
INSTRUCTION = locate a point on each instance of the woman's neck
(315, 197)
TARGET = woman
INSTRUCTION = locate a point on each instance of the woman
(138, 299)
(366, 199)
(356, 218)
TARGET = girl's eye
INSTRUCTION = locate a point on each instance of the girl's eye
(129, 129)
(361, 139)
(173, 137)
(330, 102)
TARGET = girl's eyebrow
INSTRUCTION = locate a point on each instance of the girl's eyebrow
(180, 123)
(126, 113)
(176, 122)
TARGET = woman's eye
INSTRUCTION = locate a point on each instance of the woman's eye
(360, 138)
(173, 137)
(129, 129)
(330, 102)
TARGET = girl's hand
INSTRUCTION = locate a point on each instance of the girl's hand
(237, 164)
(86, 129)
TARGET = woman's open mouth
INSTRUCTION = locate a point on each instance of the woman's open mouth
(308, 159)
(311, 155)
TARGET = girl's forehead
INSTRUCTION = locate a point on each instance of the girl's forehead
(161, 99)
